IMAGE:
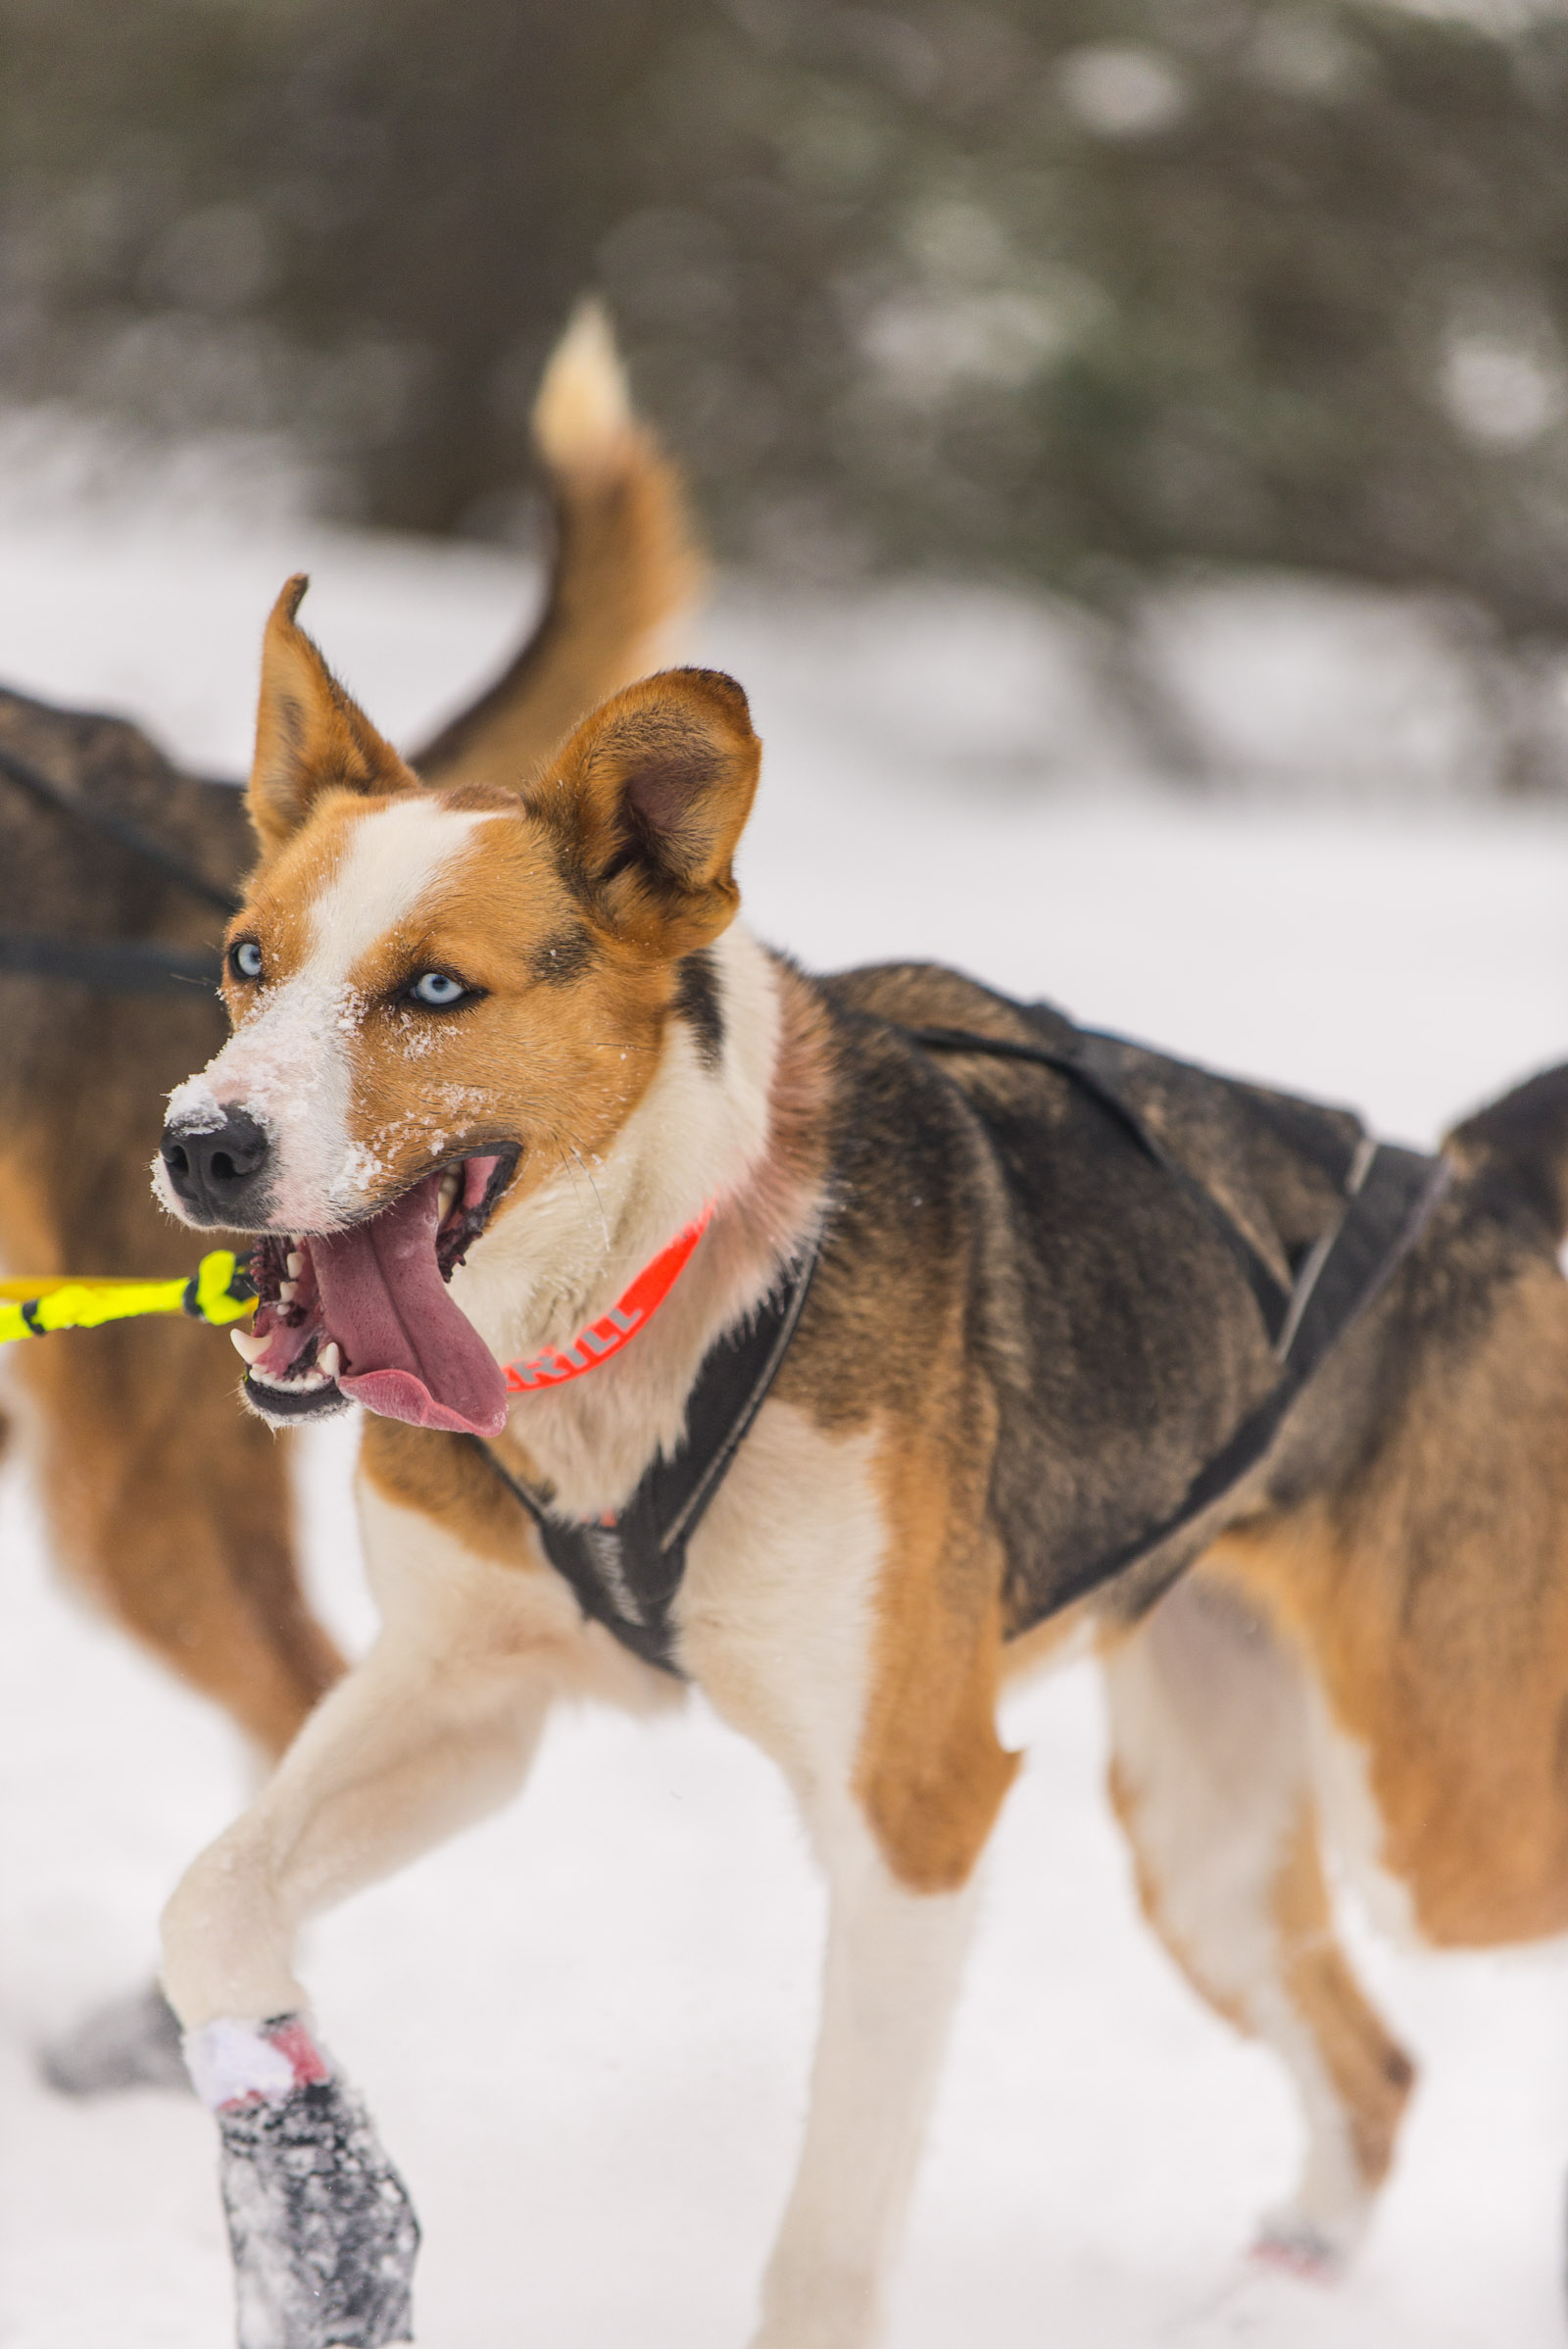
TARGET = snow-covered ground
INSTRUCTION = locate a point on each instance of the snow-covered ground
(585, 2026)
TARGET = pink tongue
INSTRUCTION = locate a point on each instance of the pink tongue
(407, 1351)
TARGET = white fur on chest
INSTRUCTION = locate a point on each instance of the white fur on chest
(777, 1615)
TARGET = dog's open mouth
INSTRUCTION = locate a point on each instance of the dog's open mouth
(365, 1315)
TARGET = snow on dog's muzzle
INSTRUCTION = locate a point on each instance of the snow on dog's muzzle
(219, 1168)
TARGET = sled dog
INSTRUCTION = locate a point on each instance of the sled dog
(840, 1346)
(164, 1505)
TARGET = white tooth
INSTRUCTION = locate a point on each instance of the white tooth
(307, 1382)
(330, 1359)
(288, 1291)
(249, 1348)
(450, 1187)
(294, 1265)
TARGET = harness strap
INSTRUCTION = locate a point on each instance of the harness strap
(113, 965)
(626, 1570)
(1075, 1058)
(120, 829)
(1398, 1191)
(110, 965)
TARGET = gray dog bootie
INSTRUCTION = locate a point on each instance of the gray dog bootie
(320, 2225)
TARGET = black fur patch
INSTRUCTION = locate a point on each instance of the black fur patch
(562, 959)
(697, 1001)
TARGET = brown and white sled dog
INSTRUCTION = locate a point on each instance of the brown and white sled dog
(168, 1507)
(497, 1047)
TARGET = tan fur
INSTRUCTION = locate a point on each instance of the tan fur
(162, 1505)
(1444, 1664)
(932, 1771)
(310, 737)
(417, 1471)
(1373, 2076)
(187, 1574)
(1464, 1771)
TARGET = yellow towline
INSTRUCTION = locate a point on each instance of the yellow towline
(218, 1293)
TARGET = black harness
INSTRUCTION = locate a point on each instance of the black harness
(626, 1570)
(113, 965)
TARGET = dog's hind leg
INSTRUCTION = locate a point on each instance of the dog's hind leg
(170, 1508)
(1211, 1778)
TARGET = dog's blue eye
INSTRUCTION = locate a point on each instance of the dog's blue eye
(245, 959)
(439, 990)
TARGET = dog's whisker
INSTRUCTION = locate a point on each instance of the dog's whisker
(587, 1172)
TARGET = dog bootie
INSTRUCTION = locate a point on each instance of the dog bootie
(320, 2225)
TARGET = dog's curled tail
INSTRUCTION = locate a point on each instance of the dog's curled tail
(626, 564)
(1525, 1137)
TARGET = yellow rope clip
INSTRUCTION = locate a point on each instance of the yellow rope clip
(220, 1293)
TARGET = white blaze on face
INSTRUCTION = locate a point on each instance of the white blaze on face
(290, 1065)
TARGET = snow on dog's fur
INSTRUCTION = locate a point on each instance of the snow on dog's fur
(292, 1062)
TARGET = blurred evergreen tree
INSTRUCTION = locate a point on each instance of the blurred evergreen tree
(1060, 288)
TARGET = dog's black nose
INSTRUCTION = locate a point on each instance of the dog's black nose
(223, 1175)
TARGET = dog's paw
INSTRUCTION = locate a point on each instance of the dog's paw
(320, 2225)
(323, 2231)
(1263, 2289)
(132, 2042)
(1294, 2247)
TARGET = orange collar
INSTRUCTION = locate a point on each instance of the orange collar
(607, 1336)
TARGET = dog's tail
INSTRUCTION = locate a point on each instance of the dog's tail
(1525, 1137)
(626, 563)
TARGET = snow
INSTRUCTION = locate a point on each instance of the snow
(584, 2028)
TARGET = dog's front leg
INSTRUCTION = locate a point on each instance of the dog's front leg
(894, 1960)
(841, 1611)
(433, 1729)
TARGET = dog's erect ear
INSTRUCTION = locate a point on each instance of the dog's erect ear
(310, 737)
(649, 799)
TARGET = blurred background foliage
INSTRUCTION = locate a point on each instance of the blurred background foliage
(1067, 291)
